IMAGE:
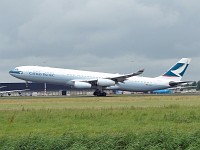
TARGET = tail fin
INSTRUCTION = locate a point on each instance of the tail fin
(177, 71)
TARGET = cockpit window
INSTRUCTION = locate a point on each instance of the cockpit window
(15, 71)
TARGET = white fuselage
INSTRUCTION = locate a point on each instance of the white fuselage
(66, 76)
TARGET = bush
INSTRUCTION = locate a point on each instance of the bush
(149, 140)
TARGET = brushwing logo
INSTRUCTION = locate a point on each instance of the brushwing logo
(178, 70)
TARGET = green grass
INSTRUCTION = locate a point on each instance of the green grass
(126, 117)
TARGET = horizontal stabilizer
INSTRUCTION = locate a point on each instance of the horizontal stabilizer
(174, 83)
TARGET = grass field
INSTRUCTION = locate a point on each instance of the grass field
(140, 118)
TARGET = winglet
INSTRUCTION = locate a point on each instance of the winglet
(138, 73)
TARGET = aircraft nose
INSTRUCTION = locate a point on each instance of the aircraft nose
(11, 72)
(15, 72)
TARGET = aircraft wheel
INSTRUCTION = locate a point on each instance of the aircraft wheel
(99, 93)
(103, 94)
(96, 93)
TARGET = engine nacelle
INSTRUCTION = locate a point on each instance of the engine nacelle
(105, 82)
(82, 85)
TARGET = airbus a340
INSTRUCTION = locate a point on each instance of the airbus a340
(103, 81)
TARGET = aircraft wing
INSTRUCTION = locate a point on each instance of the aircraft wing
(122, 78)
(104, 82)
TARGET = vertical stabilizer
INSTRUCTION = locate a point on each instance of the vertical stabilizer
(177, 71)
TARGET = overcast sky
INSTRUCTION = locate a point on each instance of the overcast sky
(117, 36)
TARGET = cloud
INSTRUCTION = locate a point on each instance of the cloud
(94, 35)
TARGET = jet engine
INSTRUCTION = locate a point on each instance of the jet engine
(105, 82)
(82, 85)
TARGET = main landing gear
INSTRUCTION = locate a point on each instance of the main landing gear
(99, 93)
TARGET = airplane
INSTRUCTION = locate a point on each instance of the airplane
(2, 87)
(11, 91)
(103, 81)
